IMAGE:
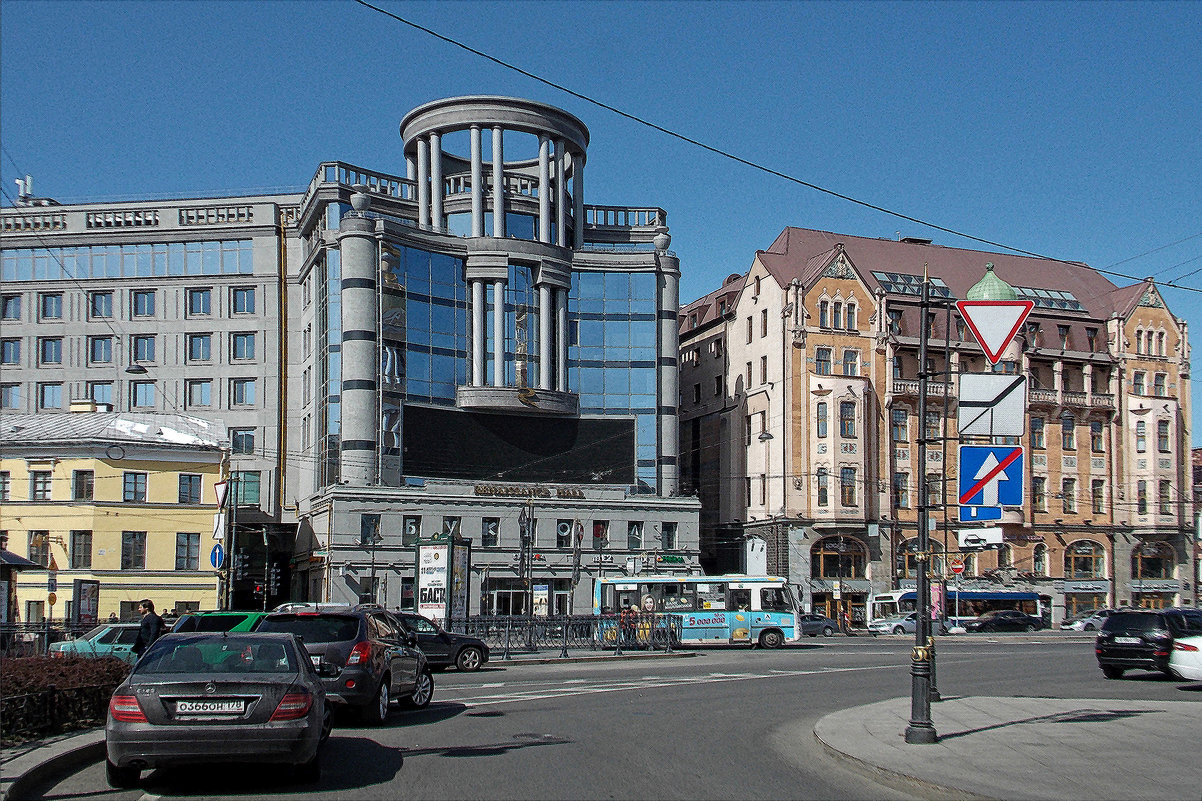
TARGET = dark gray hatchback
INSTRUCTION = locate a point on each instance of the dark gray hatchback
(1142, 639)
(376, 660)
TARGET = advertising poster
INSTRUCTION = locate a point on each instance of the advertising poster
(86, 608)
(432, 576)
(461, 566)
(542, 599)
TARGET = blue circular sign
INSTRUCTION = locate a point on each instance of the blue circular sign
(217, 557)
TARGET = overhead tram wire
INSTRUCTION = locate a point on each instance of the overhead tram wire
(727, 154)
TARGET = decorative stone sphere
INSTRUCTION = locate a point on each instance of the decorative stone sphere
(360, 200)
(661, 240)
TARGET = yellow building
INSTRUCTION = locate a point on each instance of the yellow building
(125, 500)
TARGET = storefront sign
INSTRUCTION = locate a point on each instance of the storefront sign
(1086, 586)
(1167, 585)
(519, 491)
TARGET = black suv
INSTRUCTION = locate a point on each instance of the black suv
(1143, 639)
(377, 660)
(445, 648)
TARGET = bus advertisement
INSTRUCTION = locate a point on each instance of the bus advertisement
(712, 610)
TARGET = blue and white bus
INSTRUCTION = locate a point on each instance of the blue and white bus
(712, 609)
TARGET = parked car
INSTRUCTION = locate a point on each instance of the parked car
(1185, 662)
(107, 639)
(377, 661)
(1143, 639)
(813, 625)
(217, 697)
(1090, 620)
(218, 621)
(1005, 620)
(445, 648)
(894, 624)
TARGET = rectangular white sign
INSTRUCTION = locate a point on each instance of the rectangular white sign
(992, 405)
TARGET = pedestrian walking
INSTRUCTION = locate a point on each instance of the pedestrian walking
(150, 628)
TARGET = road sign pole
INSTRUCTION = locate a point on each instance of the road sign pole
(921, 730)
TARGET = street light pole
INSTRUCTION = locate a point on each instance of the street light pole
(920, 730)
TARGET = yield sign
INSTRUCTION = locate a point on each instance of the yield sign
(994, 322)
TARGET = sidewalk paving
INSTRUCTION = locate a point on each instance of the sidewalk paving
(1029, 748)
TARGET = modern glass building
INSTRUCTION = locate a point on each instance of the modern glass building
(464, 348)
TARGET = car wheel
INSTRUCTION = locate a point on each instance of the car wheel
(1089, 626)
(899, 630)
(423, 691)
(828, 632)
(122, 778)
(327, 724)
(1112, 671)
(469, 659)
(1030, 627)
(771, 639)
(309, 772)
(376, 712)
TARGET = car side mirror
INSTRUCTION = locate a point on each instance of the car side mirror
(326, 669)
(411, 639)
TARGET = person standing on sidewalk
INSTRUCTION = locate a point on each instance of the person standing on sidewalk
(150, 629)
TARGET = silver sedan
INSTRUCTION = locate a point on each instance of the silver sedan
(216, 697)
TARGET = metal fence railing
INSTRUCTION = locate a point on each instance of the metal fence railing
(512, 634)
(34, 639)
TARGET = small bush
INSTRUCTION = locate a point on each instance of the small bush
(42, 695)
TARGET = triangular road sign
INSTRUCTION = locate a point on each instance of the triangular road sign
(994, 322)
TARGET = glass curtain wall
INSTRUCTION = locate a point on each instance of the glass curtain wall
(612, 355)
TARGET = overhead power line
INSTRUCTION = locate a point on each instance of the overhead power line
(727, 154)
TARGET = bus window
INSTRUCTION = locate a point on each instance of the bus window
(775, 599)
(678, 598)
(711, 596)
(740, 599)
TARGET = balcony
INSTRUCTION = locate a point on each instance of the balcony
(910, 388)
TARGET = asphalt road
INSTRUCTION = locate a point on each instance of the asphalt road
(728, 723)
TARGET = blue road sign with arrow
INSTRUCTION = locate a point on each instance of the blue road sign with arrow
(991, 476)
(217, 556)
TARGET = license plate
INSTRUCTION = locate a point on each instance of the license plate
(1127, 640)
(216, 707)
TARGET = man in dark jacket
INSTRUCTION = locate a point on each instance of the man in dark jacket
(151, 628)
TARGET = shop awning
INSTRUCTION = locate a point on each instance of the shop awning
(10, 559)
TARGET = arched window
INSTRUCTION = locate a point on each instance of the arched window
(1005, 556)
(838, 557)
(907, 559)
(1039, 561)
(1152, 560)
(1085, 559)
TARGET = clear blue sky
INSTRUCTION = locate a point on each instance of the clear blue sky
(1067, 129)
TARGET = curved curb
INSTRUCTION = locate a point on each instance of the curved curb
(895, 780)
(66, 756)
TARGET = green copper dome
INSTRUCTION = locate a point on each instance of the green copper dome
(991, 288)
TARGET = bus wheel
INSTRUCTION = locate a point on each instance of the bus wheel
(771, 639)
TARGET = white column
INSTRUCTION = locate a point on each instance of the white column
(436, 188)
(578, 199)
(498, 182)
(544, 189)
(498, 333)
(423, 183)
(477, 184)
(477, 333)
(410, 168)
(561, 195)
(546, 313)
(561, 334)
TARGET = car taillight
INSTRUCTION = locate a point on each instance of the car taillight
(58, 654)
(293, 706)
(1183, 646)
(126, 709)
(359, 653)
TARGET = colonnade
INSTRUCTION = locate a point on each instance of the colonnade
(557, 161)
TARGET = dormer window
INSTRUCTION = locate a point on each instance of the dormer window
(1062, 330)
(1091, 337)
(824, 314)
